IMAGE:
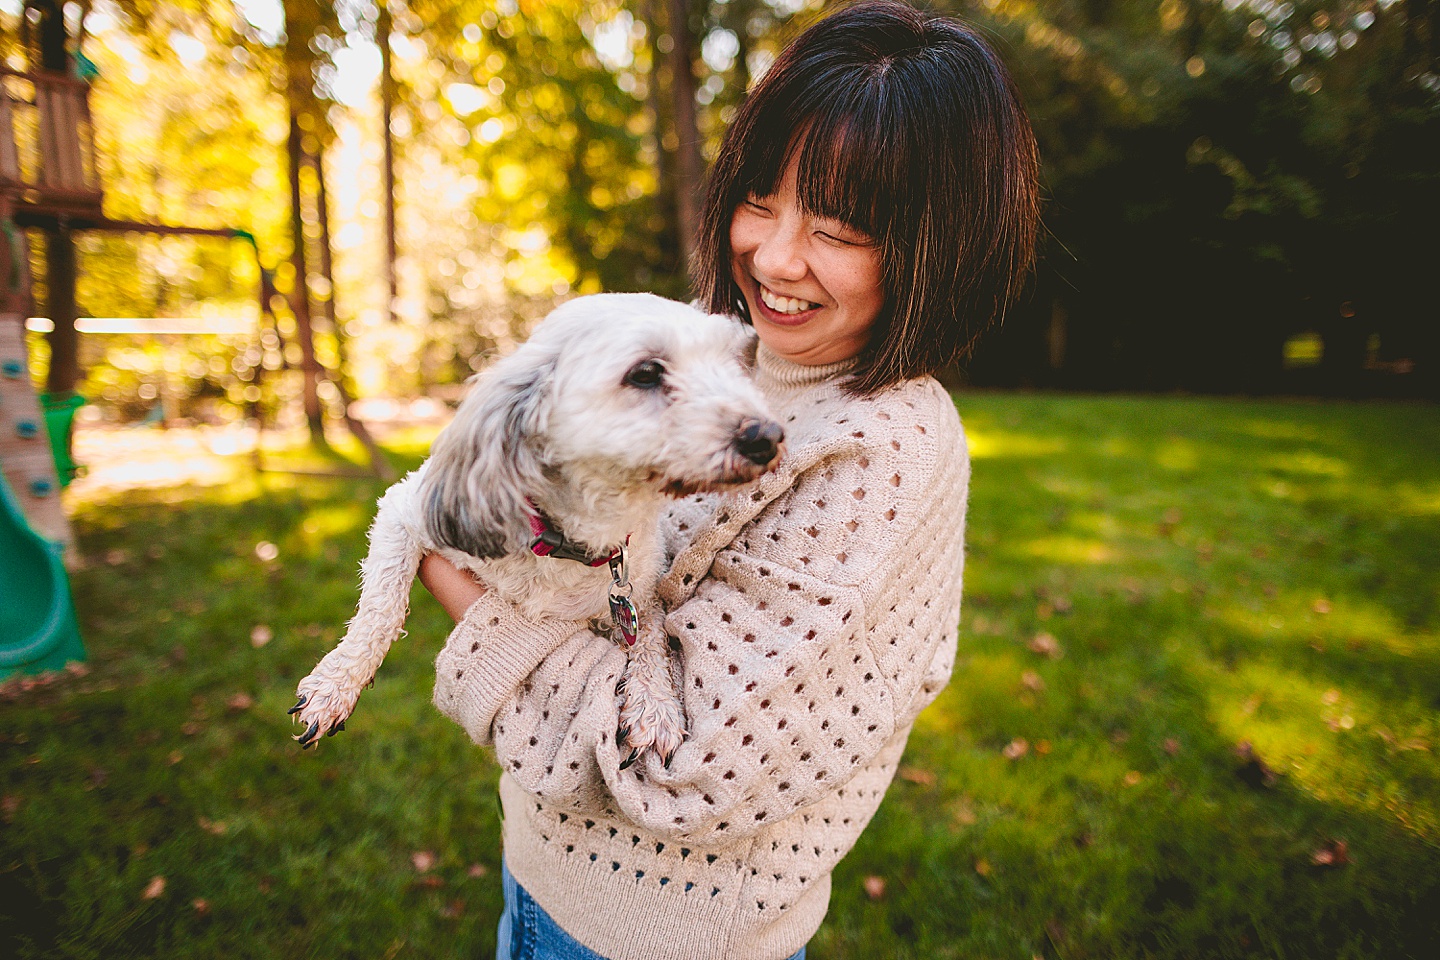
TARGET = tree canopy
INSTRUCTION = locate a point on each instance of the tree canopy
(1224, 178)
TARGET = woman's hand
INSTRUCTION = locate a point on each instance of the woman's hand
(454, 588)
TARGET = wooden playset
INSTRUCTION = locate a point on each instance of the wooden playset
(47, 173)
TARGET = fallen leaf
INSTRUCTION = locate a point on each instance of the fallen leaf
(154, 889)
(982, 867)
(240, 702)
(214, 827)
(1016, 748)
(266, 550)
(117, 556)
(1046, 645)
(916, 775)
(424, 860)
(9, 806)
(1321, 606)
(1032, 681)
(175, 757)
(874, 887)
(477, 870)
(202, 907)
(261, 635)
(1334, 854)
(1330, 697)
(190, 728)
(1133, 778)
(1172, 746)
(77, 669)
(453, 910)
(1042, 747)
(1044, 611)
(431, 881)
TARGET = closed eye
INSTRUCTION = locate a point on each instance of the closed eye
(645, 375)
(844, 235)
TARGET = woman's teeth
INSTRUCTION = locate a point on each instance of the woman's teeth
(785, 304)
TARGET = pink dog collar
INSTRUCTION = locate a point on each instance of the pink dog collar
(550, 542)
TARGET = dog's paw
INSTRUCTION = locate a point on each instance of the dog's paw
(322, 707)
(650, 715)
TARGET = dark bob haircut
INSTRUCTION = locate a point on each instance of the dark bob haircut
(907, 127)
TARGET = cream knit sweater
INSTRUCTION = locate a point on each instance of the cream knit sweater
(816, 615)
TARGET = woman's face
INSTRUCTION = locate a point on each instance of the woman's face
(812, 284)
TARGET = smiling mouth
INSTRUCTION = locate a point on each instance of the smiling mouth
(784, 306)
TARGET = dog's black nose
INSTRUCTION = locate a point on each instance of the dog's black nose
(759, 440)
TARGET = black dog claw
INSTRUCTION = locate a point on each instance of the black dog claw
(634, 755)
(307, 739)
(621, 735)
(299, 705)
(669, 759)
(335, 729)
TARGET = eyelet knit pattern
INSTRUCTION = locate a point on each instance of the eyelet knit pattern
(813, 615)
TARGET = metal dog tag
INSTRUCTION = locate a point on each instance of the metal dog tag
(626, 617)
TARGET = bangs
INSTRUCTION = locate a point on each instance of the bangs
(849, 163)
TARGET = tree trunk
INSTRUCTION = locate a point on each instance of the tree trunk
(59, 243)
(664, 165)
(383, 28)
(378, 464)
(689, 163)
(300, 294)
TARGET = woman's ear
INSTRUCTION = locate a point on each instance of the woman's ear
(484, 466)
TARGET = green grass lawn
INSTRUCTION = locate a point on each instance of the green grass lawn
(1151, 584)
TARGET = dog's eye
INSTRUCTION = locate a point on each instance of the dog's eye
(646, 375)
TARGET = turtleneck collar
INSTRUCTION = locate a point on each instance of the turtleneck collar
(790, 374)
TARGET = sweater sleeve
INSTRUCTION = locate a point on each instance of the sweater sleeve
(795, 674)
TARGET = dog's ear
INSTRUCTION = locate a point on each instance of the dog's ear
(485, 464)
(747, 345)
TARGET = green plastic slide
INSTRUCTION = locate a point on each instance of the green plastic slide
(38, 631)
(60, 422)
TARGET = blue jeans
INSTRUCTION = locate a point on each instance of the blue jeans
(527, 932)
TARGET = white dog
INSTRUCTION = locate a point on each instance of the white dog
(548, 483)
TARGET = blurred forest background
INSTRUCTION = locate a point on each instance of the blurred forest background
(1242, 195)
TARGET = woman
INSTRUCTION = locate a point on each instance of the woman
(872, 210)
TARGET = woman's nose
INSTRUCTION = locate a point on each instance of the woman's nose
(779, 255)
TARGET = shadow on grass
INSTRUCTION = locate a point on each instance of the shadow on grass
(172, 758)
(1211, 572)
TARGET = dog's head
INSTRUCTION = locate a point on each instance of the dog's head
(613, 393)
